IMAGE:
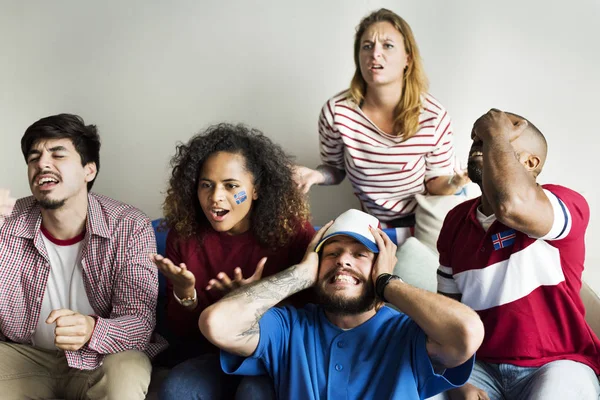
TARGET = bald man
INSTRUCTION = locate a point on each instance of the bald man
(515, 255)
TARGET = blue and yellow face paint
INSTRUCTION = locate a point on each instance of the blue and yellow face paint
(240, 197)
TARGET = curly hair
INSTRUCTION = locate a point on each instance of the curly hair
(280, 209)
(406, 114)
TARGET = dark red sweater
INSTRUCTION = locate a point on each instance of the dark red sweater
(220, 252)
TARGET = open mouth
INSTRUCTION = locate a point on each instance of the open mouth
(343, 278)
(475, 154)
(46, 182)
(376, 67)
(218, 214)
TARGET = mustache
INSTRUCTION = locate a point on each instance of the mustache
(35, 178)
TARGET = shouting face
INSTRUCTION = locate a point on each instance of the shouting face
(56, 174)
(345, 286)
(226, 192)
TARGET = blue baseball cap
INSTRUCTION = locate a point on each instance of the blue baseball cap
(353, 223)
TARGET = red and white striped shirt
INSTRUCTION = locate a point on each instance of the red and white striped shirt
(385, 171)
(120, 280)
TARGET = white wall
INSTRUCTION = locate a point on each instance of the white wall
(151, 73)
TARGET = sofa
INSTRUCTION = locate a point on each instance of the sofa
(417, 263)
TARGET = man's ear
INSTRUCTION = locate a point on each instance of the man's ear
(90, 171)
(531, 162)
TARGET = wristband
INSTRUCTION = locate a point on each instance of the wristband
(382, 282)
(187, 301)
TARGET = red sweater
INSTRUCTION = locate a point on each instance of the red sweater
(220, 252)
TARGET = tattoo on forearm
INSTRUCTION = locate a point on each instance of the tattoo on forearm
(254, 328)
(276, 287)
(266, 293)
(331, 175)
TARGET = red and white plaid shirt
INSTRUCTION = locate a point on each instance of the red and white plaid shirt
(120, 280)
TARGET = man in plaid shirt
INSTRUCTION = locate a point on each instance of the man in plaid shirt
(77, 287)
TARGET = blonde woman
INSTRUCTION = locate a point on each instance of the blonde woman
(386, 133)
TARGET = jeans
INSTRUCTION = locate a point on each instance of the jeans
(557, 380)
(203, 378)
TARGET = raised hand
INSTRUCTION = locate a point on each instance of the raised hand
(386, 258)
(182, 279)
(306, 177)
(224, 284)
(496, 123)
(73, 330)
(311, 257)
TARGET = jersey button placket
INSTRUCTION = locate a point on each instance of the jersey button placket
(339, 364)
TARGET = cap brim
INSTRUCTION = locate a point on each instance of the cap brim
(365, 241)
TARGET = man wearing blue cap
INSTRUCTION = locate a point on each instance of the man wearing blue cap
(349, 345)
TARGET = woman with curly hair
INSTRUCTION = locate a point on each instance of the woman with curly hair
(234, 215)
(386, 133)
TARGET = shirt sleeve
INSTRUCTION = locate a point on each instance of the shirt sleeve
(445, 281)
(440, 160)
(271, 352)
(429, 382)
(445, 273)
(571, 213)
(132, 319)
(330, 141)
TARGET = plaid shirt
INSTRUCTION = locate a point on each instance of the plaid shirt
(120, 280)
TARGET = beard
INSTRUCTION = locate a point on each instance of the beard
(475, 172)
(49, 204)
(338, 304)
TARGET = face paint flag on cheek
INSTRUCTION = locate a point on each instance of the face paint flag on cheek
(240, 197)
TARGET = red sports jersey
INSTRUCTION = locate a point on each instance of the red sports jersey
(526, 290)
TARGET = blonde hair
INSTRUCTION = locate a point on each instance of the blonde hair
(406, 115)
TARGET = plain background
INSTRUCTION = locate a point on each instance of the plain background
(152, 73)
